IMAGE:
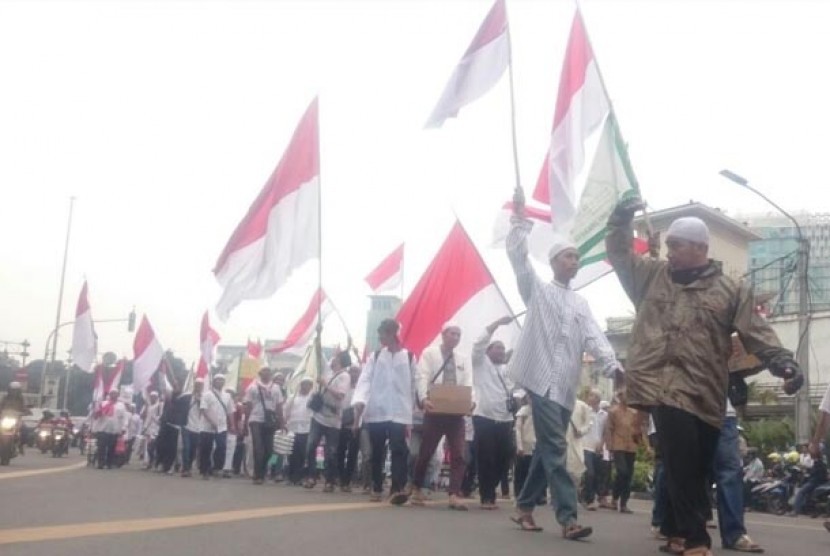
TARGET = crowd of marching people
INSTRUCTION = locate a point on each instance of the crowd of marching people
(381, 426)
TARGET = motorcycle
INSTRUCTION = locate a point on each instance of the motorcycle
(9, 437)
(773, 496)
(60, 442)
(43, 439)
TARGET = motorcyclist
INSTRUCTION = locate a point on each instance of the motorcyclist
(14, 400)
(14, 403)
(64, 422)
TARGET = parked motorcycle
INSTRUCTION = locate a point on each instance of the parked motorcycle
(773, 496)
(9, 437)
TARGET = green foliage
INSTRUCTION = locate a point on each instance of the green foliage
(769, 435)
(642, 469)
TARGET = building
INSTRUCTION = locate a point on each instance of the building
(382, 307)
(773, 259)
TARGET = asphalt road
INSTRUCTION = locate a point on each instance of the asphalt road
(69, 509)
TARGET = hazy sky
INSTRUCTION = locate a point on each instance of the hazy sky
(164, 119)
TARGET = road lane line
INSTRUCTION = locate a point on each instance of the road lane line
(103, 528)
(46, 471)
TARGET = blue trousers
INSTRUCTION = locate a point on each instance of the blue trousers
(547, 467)
(728, 473)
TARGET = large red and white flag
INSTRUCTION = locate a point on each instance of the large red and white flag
(208, 338)
(456, 287)
(84, 340)
(480, 68)
(107, 379)
(302, 333)
(389, 273)
(147, 355)
(281, 230)
(581, 107)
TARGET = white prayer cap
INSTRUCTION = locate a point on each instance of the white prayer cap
(307, 379)
(519, 393)
(560, 244)
(152, 392)
(219, 377)
(199, 380)
(689, 228)
(450, 324)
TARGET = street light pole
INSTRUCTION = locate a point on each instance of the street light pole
(802, 399)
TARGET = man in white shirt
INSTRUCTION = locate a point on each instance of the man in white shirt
(442, 365)
(492, 417)
(216, 407)
(592, 446)
(112, 421)
(151, 415)
(190, 432)
(349, 443)
(263, 415)
(383, 400)
(325, 423)
(298, 421)
(133, 430)
(547, 363)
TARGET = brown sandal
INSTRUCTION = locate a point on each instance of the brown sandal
(575, 532)
(525, 522)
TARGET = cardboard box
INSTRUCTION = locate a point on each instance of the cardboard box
(450, 399)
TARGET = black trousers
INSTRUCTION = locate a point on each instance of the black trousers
(688, 446)
(166, 446)
(592, 475)
(347, 448)
(238, 455)
(624, 468)
(296, 461)
(262, 437)
(493, 452)
(106, 449)
(395, 433)
(468, 485)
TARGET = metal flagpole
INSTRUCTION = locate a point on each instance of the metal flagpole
(512, 105)
(319, 342)
(60, 300)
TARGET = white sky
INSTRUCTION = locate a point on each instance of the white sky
(164, 119)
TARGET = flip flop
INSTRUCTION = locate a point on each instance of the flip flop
(525, 523)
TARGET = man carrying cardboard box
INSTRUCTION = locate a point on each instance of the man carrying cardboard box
(445, 393)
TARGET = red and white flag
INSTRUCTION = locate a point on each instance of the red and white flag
(301, 334)
(107, 379)
(254, 349)
(480, 68)
(147, 355)
(281, 230)
(456, 287)
(389, 273)
(581, 106)
(208, 338)
(84, 340)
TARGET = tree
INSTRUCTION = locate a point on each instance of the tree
(769, 435)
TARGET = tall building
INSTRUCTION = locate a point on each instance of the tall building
(381, 307)
(773, 259)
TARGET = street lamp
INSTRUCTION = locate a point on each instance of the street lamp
(802, 400)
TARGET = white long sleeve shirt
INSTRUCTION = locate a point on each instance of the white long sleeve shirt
(386, 387)
(216, 409)
(558, 330)
(297, 414)
(492, 385)
(431, 362)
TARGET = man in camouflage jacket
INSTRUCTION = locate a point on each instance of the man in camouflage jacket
(687, 310)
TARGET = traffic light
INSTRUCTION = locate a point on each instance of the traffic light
(131, 321)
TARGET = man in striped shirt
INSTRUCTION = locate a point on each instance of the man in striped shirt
(558, 329)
